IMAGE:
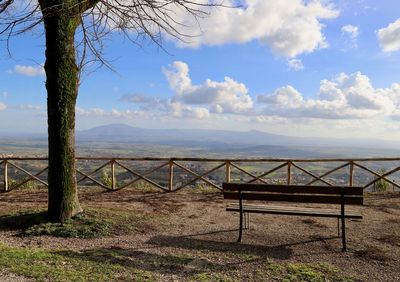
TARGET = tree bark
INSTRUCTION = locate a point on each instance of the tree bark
(62, 89)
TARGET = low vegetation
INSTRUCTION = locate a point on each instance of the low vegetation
(307, 272)
(58, 265)
(381, 185)
(118, 264)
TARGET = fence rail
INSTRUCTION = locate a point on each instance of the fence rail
(173, 174)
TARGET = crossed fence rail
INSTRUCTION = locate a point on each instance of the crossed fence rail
(162, 175)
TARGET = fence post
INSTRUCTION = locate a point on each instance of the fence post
(351, 173)
(289, 173)
(228, 171)
(5, 176)
(113, 182)
(171, 175)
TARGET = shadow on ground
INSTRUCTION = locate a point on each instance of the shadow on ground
(145, 261)
(180, 261)
(22, 221)
(190, 243)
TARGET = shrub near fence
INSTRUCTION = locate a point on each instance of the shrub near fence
(173, 174)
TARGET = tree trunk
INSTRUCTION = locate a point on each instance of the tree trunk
(62, 90)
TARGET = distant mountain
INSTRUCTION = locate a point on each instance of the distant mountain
(126, 133)
(121, 133)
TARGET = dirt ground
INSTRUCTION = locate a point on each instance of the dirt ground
(197, 224)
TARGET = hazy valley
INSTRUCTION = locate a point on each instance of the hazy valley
(123, 140)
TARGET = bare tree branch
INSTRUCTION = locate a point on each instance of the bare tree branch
(137, 20)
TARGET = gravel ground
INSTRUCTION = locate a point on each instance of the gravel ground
(197, 224)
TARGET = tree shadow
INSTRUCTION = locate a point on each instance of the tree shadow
(22, 221)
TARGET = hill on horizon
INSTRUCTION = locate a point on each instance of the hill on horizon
(123, 140)
(206, 137)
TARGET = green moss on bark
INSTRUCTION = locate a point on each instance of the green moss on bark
(62, 90)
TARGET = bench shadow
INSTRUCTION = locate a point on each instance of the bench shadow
(178, 261)
(190, 243)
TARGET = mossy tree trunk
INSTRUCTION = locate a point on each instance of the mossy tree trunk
(61, 19)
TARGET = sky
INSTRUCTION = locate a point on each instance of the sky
(301, 68)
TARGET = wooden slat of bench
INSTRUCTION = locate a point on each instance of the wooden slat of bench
(286, 210)
(322, 199)
(306, 189)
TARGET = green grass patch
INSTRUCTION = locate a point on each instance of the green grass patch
(44, 265)
(93, 223)
(121, 264)
(144, 187)
(207, 277)
(201, 189)
(318, 272)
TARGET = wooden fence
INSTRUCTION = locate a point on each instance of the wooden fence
(173, 174)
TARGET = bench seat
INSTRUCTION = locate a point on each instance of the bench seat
(290, 210)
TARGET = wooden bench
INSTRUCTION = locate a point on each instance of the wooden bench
(247, 194)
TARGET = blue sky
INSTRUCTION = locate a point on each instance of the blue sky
(304, 68)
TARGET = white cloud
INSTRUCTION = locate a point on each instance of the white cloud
(163, 109)
(30, 107)
(344, 97)
(113, 113)
(346, 105)
(3, 107)
(228, 96)
(389, 37)
(286, 96)
(341, 103)
(90, 112)
(29, 70)
(288, 27)
(350, 30)
(178, 110)
(350, 34)
(295, 64)
(138, 98)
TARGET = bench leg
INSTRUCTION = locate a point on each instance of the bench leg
(241, 215)
(343, 235)
(240, 227)
(344, 249)
(246, 220)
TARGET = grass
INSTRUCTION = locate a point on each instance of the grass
(93, 223)
(318, 272)
(202, 189)
(50, 265)
(113, 264)
(207, 277)
(121, 264)
(271, 271)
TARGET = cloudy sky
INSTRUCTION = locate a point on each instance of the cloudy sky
(293, 67)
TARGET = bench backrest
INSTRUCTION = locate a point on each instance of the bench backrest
(294, 193)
